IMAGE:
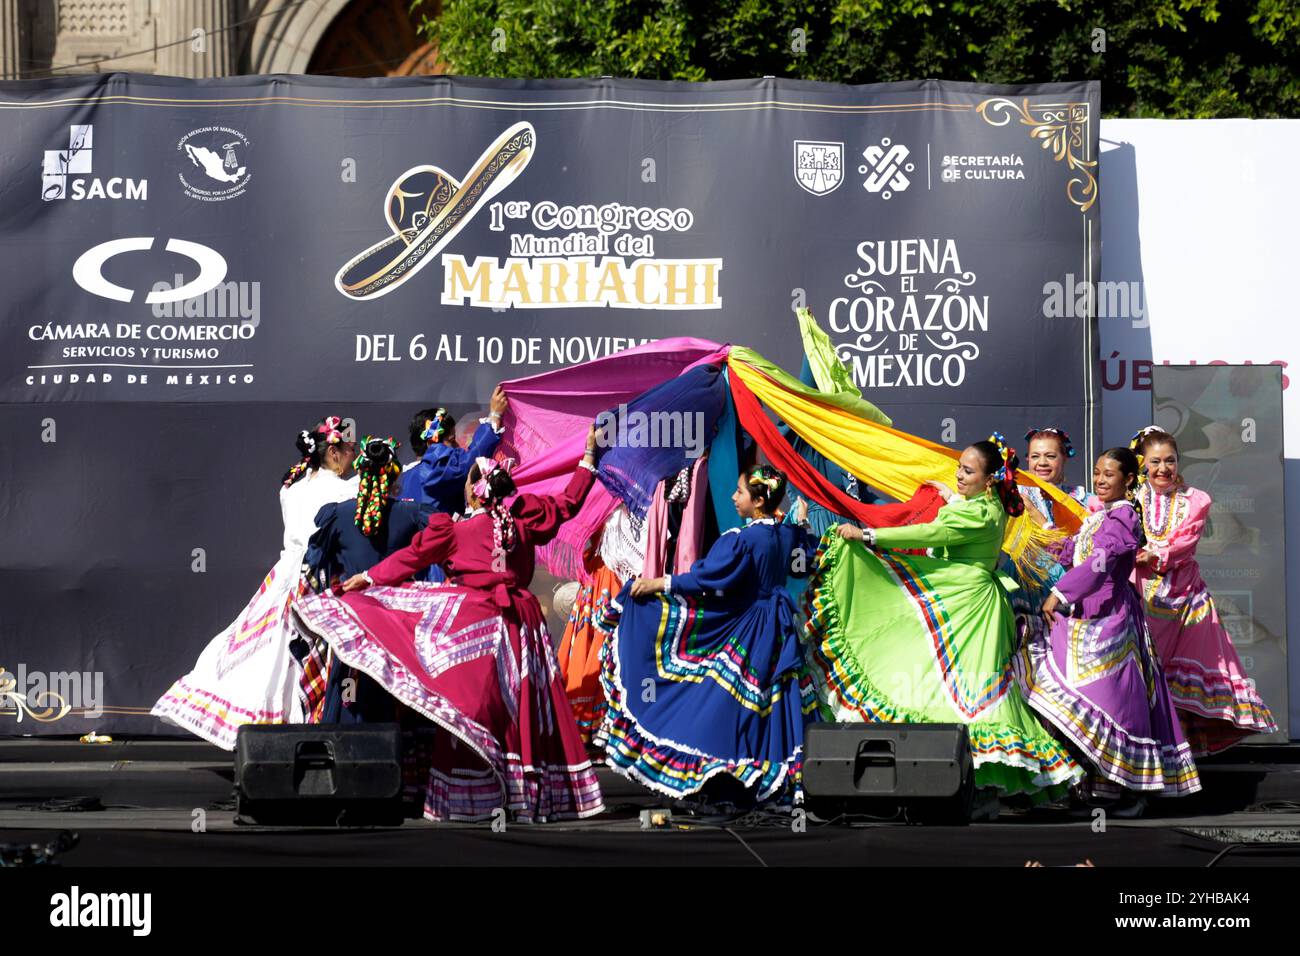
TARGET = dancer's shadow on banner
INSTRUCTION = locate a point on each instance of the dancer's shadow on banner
(1123, 312)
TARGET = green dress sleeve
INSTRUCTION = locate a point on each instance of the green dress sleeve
(958, 522)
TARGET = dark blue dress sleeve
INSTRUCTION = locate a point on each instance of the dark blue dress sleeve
(803, 546)
(483, 444)
(445, 468)
(322, 556)
(726, 565)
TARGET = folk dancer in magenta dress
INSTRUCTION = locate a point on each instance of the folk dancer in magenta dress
(246, 673)
(1094, 673)
(703, 672)
(473, 655)
(1049, 449)
(910, 638)
(1217, 702)
(350, 537)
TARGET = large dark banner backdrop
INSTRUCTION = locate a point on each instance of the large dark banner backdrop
(195, 270)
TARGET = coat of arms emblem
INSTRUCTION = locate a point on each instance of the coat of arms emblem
(818, 167)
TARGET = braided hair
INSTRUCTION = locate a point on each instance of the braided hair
(1130, 466)
(378, 470)
(312, 445)
(766, 482)
(1000, 462)
(493, 492)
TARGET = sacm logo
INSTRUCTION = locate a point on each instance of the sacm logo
(88, 270)
(65, 173)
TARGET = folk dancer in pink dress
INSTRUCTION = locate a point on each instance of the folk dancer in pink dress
(1217, 702)
(473, 655)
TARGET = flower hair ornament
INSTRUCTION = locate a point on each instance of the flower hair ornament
(1005, 476)
(377, 466)
(1140, 435)
(1135, 443)
(1058, 433)
(327, 432)
(764, 476)
(488, 467)
(1007, 453)
(433, 427)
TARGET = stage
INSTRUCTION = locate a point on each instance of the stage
(137, 803)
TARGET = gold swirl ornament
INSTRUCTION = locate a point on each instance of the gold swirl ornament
(425, 208)
(53, 706)
(1059, 127)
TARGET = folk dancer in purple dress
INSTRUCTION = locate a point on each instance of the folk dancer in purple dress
(1093, 673)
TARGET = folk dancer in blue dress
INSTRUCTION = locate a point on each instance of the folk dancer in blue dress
(704, 671)
(438, 478)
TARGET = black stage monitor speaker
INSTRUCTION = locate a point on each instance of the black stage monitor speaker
(922, 770)
(319, 774)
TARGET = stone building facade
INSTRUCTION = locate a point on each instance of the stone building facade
(205, 38)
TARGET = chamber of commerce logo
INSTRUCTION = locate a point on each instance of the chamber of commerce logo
(215, 163)
(425, 209)
(886, 167)
(65, 173)
(818, 167)
(88, 270)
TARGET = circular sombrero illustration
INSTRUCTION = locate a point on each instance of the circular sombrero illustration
(425, 208)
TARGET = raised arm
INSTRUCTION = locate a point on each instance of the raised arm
(542, 515)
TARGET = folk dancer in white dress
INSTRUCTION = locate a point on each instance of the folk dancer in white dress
(246, 674)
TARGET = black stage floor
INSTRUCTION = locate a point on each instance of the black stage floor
(140, 803)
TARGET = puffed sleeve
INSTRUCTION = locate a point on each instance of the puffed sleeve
(958, 522)
(433, 545)
(541, 515)
(1063, 552)
(727, 563)
(1181, 545)
(1116, 537)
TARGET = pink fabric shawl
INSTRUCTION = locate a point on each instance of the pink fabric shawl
(546, 426)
